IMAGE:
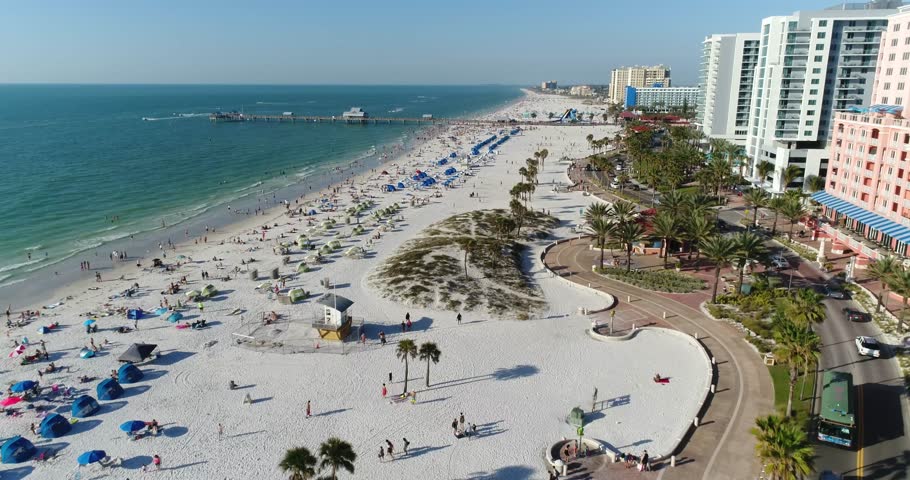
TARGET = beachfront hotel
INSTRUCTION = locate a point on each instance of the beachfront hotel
(727, 72)
(867, 190)
(662, 98)
(638, 77)
(811, 64)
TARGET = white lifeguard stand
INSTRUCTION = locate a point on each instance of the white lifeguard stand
(336, 320)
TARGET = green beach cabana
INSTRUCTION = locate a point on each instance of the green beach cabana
(302, 267)
(297, 294)
(193, 294)
(209, 291)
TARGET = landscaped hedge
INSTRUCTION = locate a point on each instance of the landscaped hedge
(659, 281)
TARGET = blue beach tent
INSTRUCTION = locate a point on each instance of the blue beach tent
(390, 188)
(23, 386)
(54, 425)
(129, 373)
(134, 314)
(401, 185)
(109, 389)
(17, 449)
(453, 155)
(450, 171)
(174, 317)
(85, 406)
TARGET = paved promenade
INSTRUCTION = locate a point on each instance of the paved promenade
(722, 446)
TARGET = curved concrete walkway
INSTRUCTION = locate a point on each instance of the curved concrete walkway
(722, 446)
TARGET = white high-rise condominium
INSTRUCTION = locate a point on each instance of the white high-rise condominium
(810, 65)
(727, 70)
(638, 77)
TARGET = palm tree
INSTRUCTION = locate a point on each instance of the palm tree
(806, 308)
(749, 247)
(429, 352)
(793, 210)
(596, 210)
(601, 228)
(698, 230)
(814, 183)
(788, 175)
(300, 463)
(622, 212)
(674, 203)
(763, 169)
(590, 139)
(406, 349)
(776, 204)
(793, 341)
(544, 153)
(628, 234)
(900, 284)
(720, 250)
(666, 227)
(335, 454)
(756, 198)
(783, 448)
(881, 270)
(519, 213)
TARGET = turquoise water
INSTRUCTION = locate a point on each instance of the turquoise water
(82, 168)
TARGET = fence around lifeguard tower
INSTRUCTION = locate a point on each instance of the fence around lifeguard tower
(293, 332)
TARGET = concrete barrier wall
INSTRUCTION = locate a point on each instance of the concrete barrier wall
(611, 300)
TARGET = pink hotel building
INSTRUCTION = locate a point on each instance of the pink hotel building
(867, 191)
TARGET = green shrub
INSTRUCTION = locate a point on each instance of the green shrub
(660, 281)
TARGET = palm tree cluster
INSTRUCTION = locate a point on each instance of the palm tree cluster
(598, 145)
(408, 350)
(892, 275)
(616, 224)
(334, 454)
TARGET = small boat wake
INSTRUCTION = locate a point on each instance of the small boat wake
(175, 116)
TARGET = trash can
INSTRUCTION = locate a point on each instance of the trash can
(254, 274)
(275, 273)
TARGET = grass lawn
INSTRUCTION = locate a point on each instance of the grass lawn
(780, 376)
(691, 190)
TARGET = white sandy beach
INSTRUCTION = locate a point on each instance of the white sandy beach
(516, 380)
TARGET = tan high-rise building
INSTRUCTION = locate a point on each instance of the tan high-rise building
(638, 77)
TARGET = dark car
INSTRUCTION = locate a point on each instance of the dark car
(834, 291)
(856, 315)
(634, 187)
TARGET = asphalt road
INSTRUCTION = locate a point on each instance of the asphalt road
(882, 407)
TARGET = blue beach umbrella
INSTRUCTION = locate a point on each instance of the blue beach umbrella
(91, 457)
(88, 322)
(23, 386)
(132, 426)
(161, 311)
(86, 353)
(42, 330)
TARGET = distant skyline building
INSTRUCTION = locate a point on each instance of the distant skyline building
(726, 81)
(867, 189)
(551, 85)
(638, 77)
(662, 98)
(581, 91)
(811, 65)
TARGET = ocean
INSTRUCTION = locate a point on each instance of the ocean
(90, 167)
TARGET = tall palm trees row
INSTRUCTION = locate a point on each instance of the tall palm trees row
(892, 275)
(790, 205)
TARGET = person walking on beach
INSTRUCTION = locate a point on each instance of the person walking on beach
(385, 391)
(458, 318)
(307, 409)
(381, 454)
(220, 430)
(382, 338)
(390, 449)
(406, 443)
(363, 339)
(390, 377)
(455, 426)
(156, 461)
(461, 421)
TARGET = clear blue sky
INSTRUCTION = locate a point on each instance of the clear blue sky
(363, 41)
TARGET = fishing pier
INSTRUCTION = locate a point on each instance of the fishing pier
(361, 118)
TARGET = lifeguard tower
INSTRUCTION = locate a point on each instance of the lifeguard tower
(336, 320)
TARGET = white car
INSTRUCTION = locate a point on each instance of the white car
(780, 262)
(868, 346)
(614, 185)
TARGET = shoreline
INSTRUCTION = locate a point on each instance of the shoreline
(37, 295)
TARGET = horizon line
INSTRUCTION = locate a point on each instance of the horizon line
(272, 84)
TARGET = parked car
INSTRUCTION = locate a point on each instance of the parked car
(615, 185)
(869, 347)
(779, 261)
(856, 315)
(834, 291)
(635, 187)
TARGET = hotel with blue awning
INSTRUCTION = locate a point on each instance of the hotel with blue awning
(889, 235)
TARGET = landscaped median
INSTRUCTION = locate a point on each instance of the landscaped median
(659, 281)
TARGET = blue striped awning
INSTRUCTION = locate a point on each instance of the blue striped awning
(870, 219)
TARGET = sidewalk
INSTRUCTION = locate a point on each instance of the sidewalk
(722, 446)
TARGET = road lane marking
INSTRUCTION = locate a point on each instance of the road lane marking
(859, 440)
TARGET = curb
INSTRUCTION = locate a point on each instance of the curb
(611, 300)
